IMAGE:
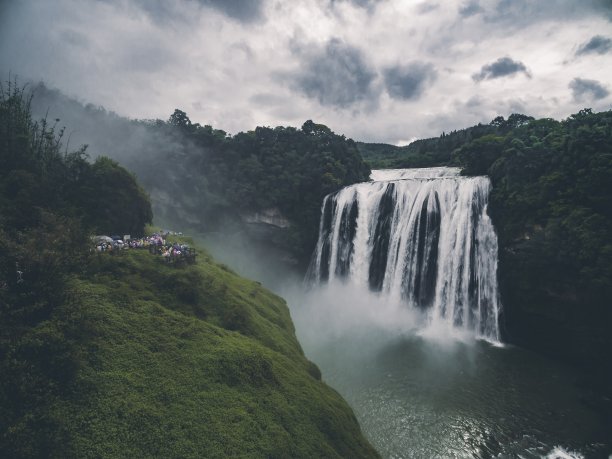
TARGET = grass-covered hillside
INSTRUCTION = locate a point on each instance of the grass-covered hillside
(191, 361)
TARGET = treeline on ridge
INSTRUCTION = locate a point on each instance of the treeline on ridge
(284, 168)
(551, 203)
(435, 151)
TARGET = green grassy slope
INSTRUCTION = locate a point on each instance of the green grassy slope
(193, 362)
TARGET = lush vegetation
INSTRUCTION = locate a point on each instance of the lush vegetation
(47, 211)
(431, 152)
(223, 177)
(123, 355)
(436, 151)
(552, 206)
(551, 203)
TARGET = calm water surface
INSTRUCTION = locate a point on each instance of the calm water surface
(416, 398)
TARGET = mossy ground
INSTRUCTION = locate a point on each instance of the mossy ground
(193, 361)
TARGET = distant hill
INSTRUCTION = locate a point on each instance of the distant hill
(436, 151)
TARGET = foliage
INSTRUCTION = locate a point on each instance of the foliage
(36, 174)
(125, 208)
(551, 203)
(225, 176)
(424, 152)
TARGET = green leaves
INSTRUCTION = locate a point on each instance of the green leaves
(280, 168)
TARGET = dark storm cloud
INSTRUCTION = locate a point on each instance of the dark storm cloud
(504, 66)
(335, 74)
(240, 10)
(427, 7)
(596, 45)
(368, 4)
(521, 12)
(410, 81)
(470, 9)
(587, 90)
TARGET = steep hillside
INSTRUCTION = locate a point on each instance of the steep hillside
(122, 354)
(191, 361)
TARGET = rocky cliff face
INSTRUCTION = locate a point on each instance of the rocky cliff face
(271, 231)
(271, 216)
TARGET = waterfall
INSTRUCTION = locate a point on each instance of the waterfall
(417, 236)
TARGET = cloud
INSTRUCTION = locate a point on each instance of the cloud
(519, 13)
(241, 10)
(427, 7)
(596, 45)
(410, 81)
(470, 9)
(502, 67)
(328, 60)
(587, 90)
(335, 74)
(360, 3)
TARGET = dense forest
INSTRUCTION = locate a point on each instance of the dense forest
(435, 151)
(551, 203)
(280, 168)
(124, 355)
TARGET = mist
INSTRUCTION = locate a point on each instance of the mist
(360, 325)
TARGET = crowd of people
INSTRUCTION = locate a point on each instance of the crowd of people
(157, 244)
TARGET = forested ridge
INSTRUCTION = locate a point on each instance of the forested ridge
(430, 152)
(120, 354)
(285, 168)
(551, 203)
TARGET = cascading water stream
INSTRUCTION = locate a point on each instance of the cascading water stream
(418, 236)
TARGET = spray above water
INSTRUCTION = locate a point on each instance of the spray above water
(417, 237)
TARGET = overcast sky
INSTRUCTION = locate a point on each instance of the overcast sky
(388, 70)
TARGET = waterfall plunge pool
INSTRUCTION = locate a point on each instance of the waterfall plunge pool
(428, 394)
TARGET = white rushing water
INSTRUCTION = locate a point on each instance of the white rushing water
(420, 237)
